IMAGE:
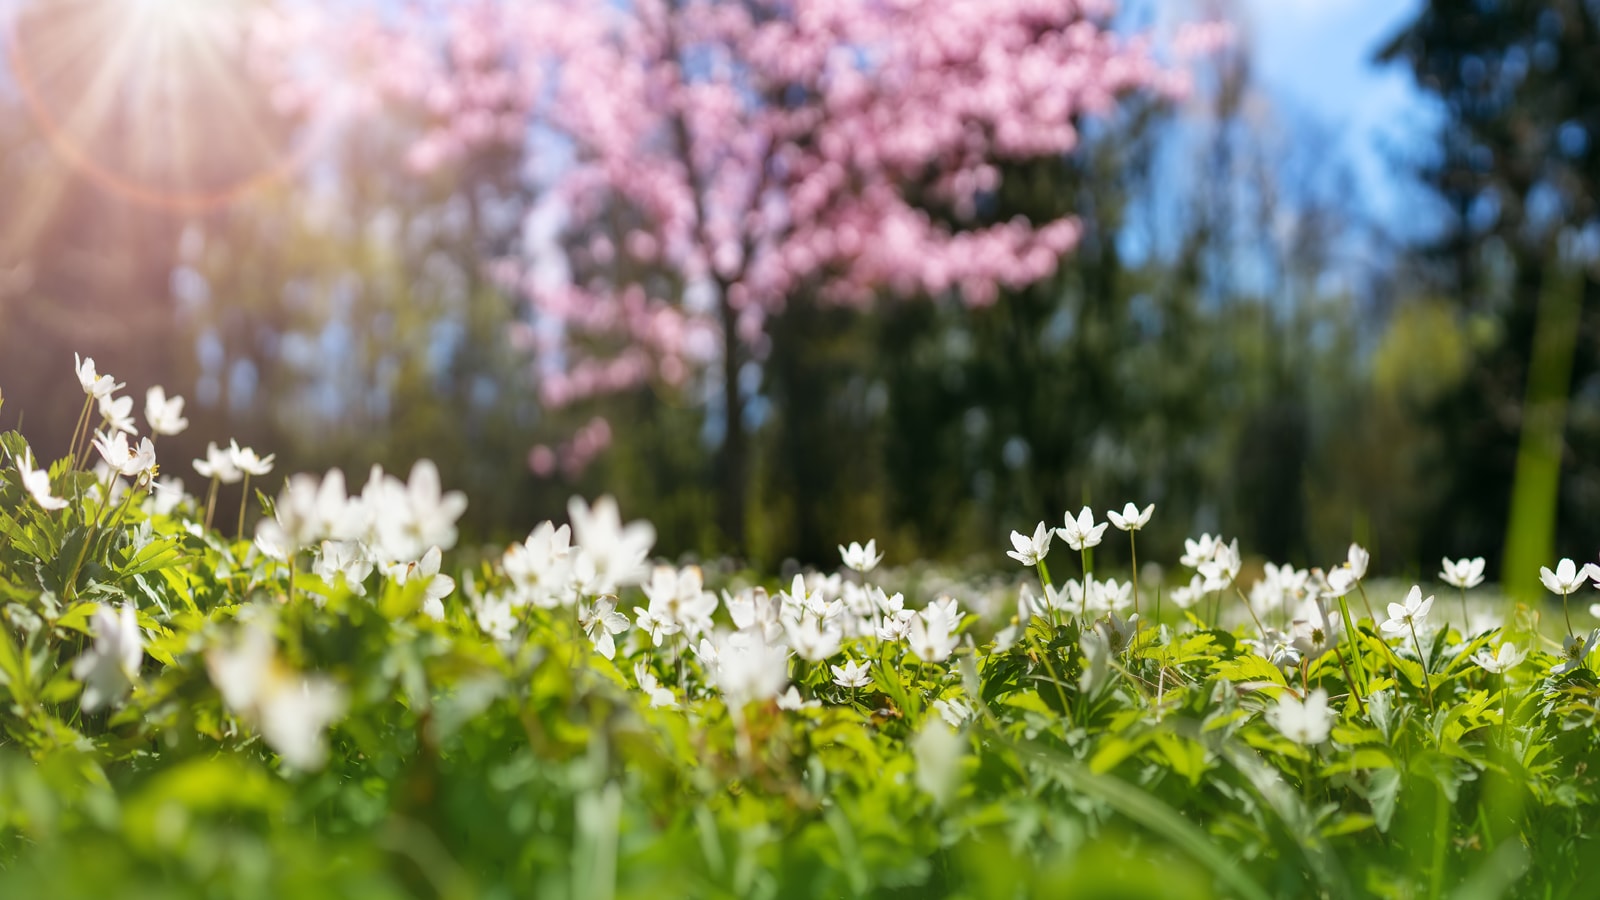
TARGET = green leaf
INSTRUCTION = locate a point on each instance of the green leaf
(156, 555)
(1249, 669)
(1383, 792)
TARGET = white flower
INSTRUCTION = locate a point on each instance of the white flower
(107, 670)
(291, 710)
(1111, 595)
(748, 668)
(1082, 533)
(408, 518)
(1197, 551)
(495, 617)
(655, 624)
(1575, 650)
(951, 607)
(1119, 632)
(1403, 618)
(1305, 723)
(1567, 577)
(1312, 633)
(1357, 559)
(1188, 595)
(953, 711)
(541, 566)
(1029, 551)
(218, 464)
(294, 713)
(678, 602)
(94, 385)
(37, 483)
(812, 641)
(754, 609)
(125, 460)
(436, 587)
(1131, 518)
(790, 700)
(1096, 660)
(600, 621)
(1340, 581)
(1221, 570)
(707, 651)
(852, 674)
(163, 415)
(617, 552)
(930, 635)
(1277, 648)
(892, 629)
(660, 697)
(166, 495)
(347, 558)
(308, 511)
(1463, 573)
(937, 751)
(1505, 659)
(117, 413)
(245, 460)
(862, 559)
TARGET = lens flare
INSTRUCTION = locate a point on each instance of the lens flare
(152, 99)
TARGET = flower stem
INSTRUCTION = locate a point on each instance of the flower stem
(244, 503)
(211, 501)
(1365, 602)
(1250, 609)
(77, 430)
(1568, 613)
(1360, 706)
(1355, 652)
(1463, 613)
(1133, 551)
(1422, 658)
(1061, 692)
(1044, 596)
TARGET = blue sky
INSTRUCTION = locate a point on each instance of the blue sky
(1315, 57)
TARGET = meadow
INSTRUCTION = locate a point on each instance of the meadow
(335, 699)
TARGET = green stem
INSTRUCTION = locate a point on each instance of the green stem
(1355, 652)
(1061, 692)
(1423, 659)
(1360, 706)
(1133, 551)
(211, 500)
(1365, 602)
(77, 430)
(1441, 839)
(244, 503)
(1248, 608)
(1045, 587)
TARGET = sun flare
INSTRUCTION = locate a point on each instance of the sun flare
(152, 99)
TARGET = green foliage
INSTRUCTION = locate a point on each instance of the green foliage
(464, 766)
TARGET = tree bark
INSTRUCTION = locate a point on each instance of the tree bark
(731, 459)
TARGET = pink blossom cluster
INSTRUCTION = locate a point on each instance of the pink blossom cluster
(573, 456)
(720, 157)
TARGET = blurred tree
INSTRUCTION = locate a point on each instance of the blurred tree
(727, 159)
(1517, 166)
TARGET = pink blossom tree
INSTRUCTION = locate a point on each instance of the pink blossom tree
(709, 161)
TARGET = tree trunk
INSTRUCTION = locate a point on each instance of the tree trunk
(731, 464)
